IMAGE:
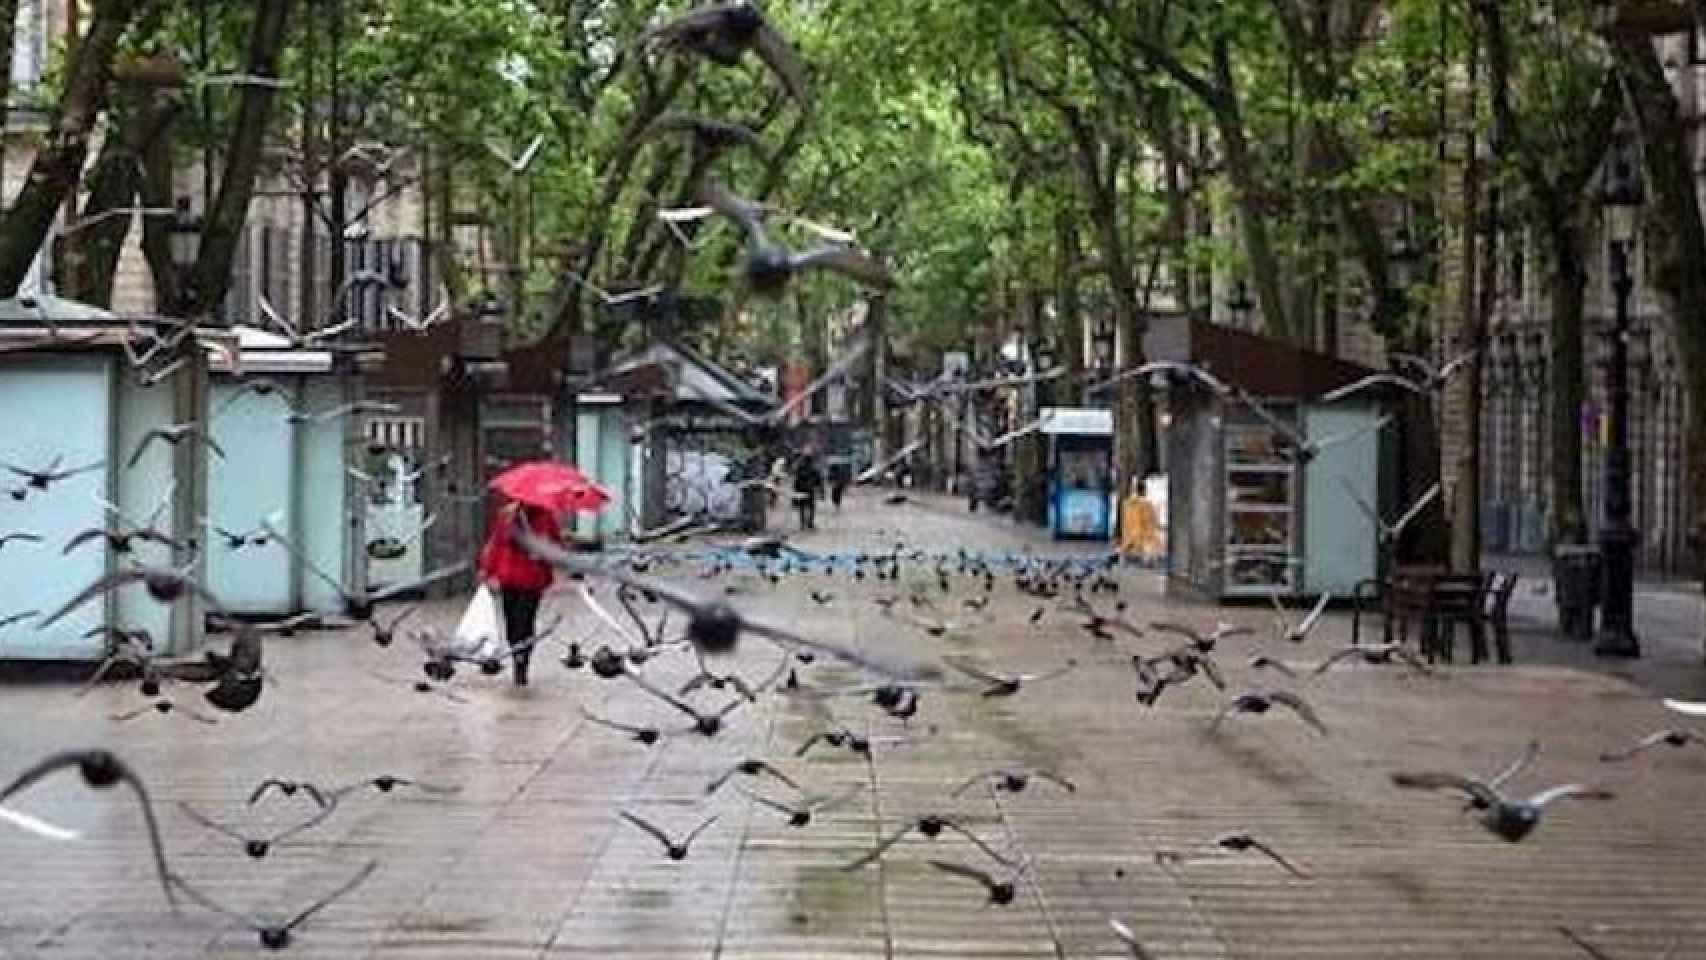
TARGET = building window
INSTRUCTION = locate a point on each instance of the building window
(29, 55)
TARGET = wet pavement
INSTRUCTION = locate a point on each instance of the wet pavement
(529, 857)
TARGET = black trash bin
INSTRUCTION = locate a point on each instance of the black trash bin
(1575, 580)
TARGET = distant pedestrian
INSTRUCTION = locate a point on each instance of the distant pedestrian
(840, 475)
(808, 484)
(517, 576)
(778, 476)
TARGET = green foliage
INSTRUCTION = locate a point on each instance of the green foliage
(939, 131)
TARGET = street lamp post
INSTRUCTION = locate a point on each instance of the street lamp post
(1102, 343)
(184, 240)
(1240, 304)
(1621, 198)
(1042, 359)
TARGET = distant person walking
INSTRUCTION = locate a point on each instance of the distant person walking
(808, 482)
(517, 576)
(840, 475)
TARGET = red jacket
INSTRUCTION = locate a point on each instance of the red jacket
(503, 559)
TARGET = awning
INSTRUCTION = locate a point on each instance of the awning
(265, 352)
(1077, 421)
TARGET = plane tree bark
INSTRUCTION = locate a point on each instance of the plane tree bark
(24, 226)
(1554, 193)
(1675, 245)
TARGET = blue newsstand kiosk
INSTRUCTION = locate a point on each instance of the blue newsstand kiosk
(1080, 472)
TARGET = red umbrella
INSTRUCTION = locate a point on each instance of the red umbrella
(557, 487)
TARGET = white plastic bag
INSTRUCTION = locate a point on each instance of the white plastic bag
(480, 634)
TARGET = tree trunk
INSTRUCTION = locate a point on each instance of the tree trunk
(1676, 247)
(1068, 332)
(1249, 196)
(211, 276)
(1569, 389)
(59, 162)
(1558, 197)
(8, 38)
(613, 173)
(92, 253)
(1462, 397)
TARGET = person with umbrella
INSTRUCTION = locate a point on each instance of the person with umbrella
(536, 493)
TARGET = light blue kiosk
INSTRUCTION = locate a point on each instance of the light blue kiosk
(1080, 472)
(73, 402)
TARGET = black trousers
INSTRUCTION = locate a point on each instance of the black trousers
(808, 511)
(521, 608)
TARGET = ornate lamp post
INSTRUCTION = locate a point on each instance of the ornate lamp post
(1103, 340)
(1042, 359)
(1621, 198)
(1240, 304)
(184, 239)
(1102, 343)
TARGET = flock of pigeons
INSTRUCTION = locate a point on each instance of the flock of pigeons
(934, 593)
(708, 628)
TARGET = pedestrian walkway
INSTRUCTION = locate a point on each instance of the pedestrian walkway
(529, 858)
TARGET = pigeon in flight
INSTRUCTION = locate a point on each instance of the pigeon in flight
(930, 826)
(172, 436)
(289, 788)
(750, 768)
(275, 933)
(1510, 818)
(1013, 780)
(1001, 892)
(1128, 939)
(1433, 378)
(385, 783)
(101, 770)
(1688, 708)
(1669, 737)
(120, 542)
(164, 707)
(517, 164)
(1300, 632)
(18, 617)
(20, 537)
(1598, 954)
(1169, 367)
(801, 811)
(164, 585)
(769, 265)
(1004, 685)
(1240, 842)
(1376, 654)
(724, 32)
(673, 848)
(1390, 532)
(385, 631)
(44, 477)
(645, 735)
(258, 846)
(1261, 701)
(1204, 642)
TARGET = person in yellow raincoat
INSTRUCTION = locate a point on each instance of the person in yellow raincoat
(1140, 527)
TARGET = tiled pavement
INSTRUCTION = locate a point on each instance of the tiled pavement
(529, 859)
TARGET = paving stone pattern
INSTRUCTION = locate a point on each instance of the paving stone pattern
(529, 859)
